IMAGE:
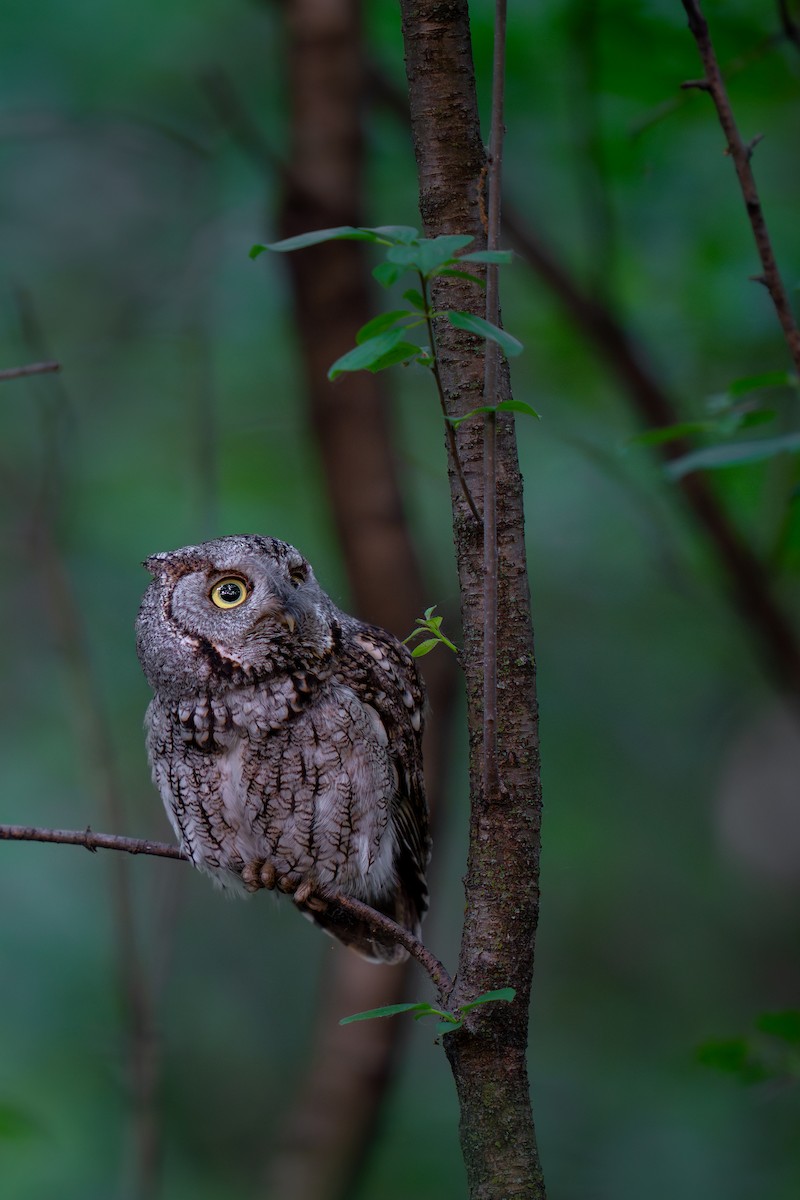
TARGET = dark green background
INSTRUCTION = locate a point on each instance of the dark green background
(669, 897)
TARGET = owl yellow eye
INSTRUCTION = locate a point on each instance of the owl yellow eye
(298, 573)
(229, 593)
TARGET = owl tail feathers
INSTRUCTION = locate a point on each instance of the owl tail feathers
(359, 936)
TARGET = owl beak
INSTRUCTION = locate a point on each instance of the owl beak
(288, 620)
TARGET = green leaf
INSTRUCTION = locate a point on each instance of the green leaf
(380, 323)
(784, 1025)
(503, 406)
(15, 1124)
(734, 1057)
(415, 298)
(430, 1011)
(452, 273)
(483, 328)
(768, 379)
(488, 256)
(398, 233)
(668, 433)
(760, 416)
(425, 647)
(507, 994)
(428, 254)
(340, 233)
(517, 406)
(388, 1010)
(444, 1027)
(404, 352)
(387, 273)
(369, 353)
(732, 454)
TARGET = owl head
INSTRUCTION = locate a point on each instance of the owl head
(231, 610)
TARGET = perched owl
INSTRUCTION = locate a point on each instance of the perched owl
(284, 736)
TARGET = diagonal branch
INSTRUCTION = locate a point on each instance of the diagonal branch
(772, 634)
(749, 587)
(40, 368)
(741, 153)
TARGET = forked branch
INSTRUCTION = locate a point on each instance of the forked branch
(741, 153)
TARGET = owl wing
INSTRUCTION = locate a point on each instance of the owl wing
(384, 675)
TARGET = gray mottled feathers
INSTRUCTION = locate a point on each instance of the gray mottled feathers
(284, 736)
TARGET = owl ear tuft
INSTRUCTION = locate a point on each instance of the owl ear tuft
(155, 564)
(168, 563)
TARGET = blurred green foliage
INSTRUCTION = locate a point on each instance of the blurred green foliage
(669, 900)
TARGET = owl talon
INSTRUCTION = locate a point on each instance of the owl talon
(251, 876)
(303, 893)
(288, 883)
(268, 876)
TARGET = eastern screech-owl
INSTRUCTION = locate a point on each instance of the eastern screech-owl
(284, 736)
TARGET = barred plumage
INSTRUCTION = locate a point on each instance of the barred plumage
(284, 735)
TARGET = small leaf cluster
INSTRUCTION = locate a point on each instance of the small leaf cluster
(432, 626)
(447, 1022)
(772, 1052)
(728, 413)
(387, 338)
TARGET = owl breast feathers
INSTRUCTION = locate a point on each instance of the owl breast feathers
(284, 736)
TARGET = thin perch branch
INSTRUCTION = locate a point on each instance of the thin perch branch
(381, 925)
(90, 840)
(741, 154)
(491, 779)
(40, 368)
(385, 927)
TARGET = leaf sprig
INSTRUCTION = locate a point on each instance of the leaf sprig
(727, 414)
(386, 339)
(448, 1022)
(431, 625)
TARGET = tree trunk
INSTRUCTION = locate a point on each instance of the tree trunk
(488, 1055)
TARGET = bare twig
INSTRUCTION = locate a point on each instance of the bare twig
(40, 368)
(771, 632)
(381, 925)
(495, 164)
(741, 154)
(386, 928)
(90, 840)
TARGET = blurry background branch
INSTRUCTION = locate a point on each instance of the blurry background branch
(775, 640)
(140, 1162)
(42, 368)
(742, 155)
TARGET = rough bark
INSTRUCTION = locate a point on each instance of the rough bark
(331, 1123)
(488, 1056)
